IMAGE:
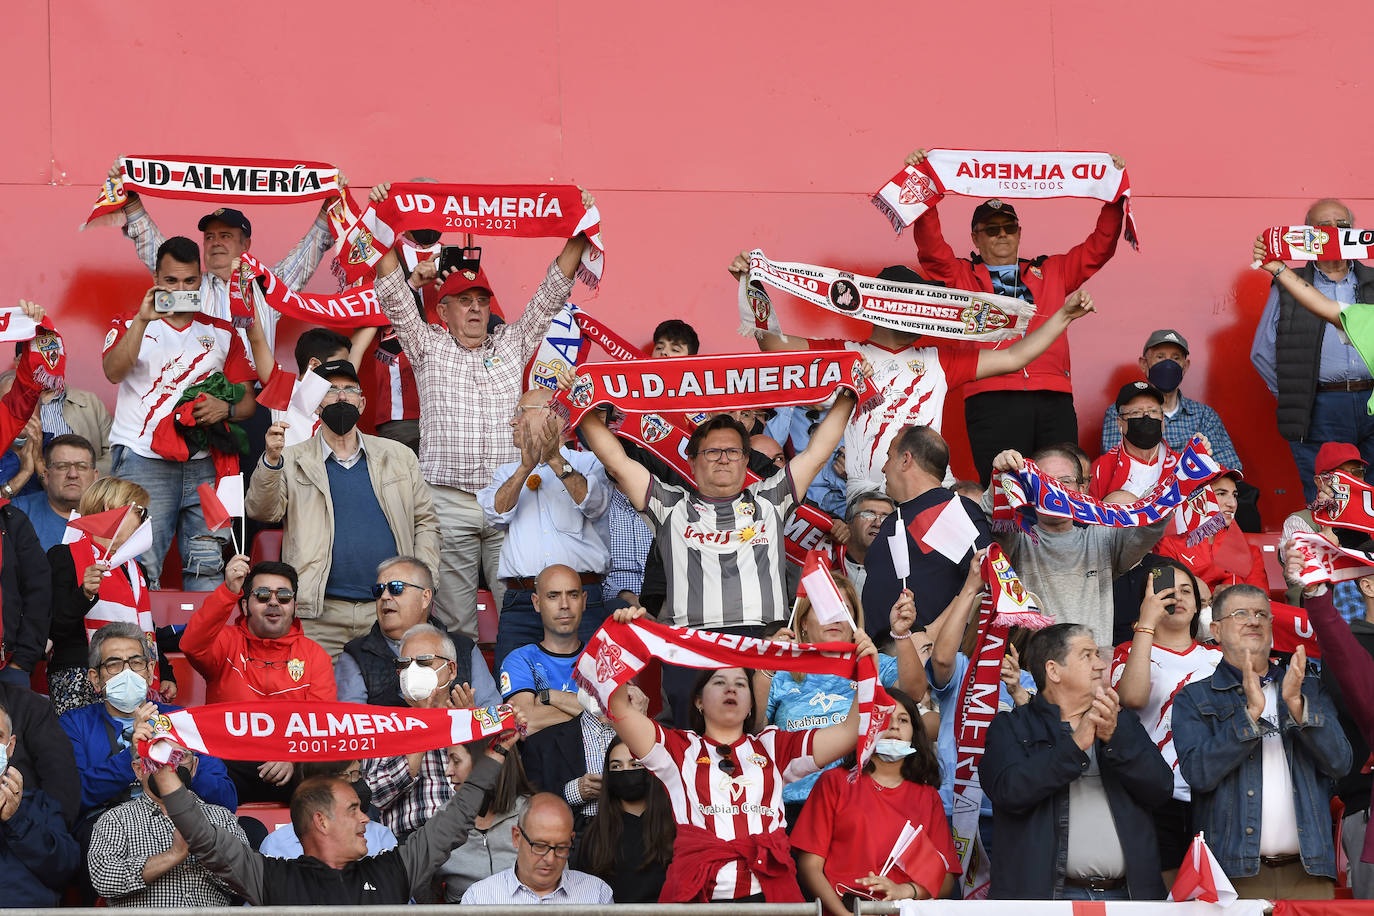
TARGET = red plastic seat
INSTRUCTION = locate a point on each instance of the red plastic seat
(190, 685)
(266, 546)
(171, 608)
(488, 618)
(1268, 543)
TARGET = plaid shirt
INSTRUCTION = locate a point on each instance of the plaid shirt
(596, 737)
(1192, 417)
(128, 835)
(407, 801)
(630, 543)
(467, 396)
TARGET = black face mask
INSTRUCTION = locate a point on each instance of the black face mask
(1166, 375)
(424, 237)
(628, 785)
(340, 417)
(182, 772)
(1144, 432)
(364, 793)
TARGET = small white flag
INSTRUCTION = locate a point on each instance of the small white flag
(897, 546)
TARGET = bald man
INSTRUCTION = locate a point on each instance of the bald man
(543, 839)
(538, 678)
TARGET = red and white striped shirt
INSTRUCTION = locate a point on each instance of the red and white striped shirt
(747, 802)
(170, 361)
(397, 397)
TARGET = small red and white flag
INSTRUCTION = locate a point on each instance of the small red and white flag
(1200, 877)
(139, 543)
(918, 858)
(217, 515)
(945, 529)
(230, 492)
(97, 525)
(827, 604)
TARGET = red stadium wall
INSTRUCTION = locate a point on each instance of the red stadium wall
(708, 127)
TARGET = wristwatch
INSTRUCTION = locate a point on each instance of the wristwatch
(543, 696)
(566, 471)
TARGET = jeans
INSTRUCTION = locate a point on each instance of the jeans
(521, 625)
(1352, 839)
(1337, 416)
(1087, 893)
(174, 508)
(12, 675)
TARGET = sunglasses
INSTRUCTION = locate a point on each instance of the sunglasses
(396, 587)
(264, 594)
(403, 662)
(997, 229)
(727, 762)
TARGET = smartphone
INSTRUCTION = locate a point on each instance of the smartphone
(460, 257)
(181, 300)
(1162, 577)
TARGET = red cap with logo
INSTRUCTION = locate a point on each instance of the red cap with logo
(460, 281)
(1334, 454)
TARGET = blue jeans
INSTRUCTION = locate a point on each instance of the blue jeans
(12, 675)
(174, 508)
(521, 625)
(1337, 416)
(1085, 893)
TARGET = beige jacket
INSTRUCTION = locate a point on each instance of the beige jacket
(87, 417)
(299, 492)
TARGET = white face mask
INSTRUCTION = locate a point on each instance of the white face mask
(4, 758)
(126, 691)
(418, 682)
(892, 749)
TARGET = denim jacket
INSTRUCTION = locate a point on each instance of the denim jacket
(1219, 755)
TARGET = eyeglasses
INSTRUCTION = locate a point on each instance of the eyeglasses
(352, 392)
(112, 666)
(395, 586)
(469, 301)
(403, 662)
(1137, 414)
(722, 454)
(141, 512)
(352, 775)
(1069, 481)
(995, 229)
(542, 849)
(727, 760)
(264, 594)
(63, 467)
(1245, 616)
(1336, 223)
(779, 460)
(868, 515)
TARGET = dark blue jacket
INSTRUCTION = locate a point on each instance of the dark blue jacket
(1219, 755)
(37, 855)
(1029, 762)
(105, 775)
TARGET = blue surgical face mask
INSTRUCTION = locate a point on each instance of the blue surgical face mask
(893, 749)
(126, 691)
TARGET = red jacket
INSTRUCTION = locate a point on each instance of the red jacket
(230, 657)
(1049, 278)
(1226, 569)
(1112, 468)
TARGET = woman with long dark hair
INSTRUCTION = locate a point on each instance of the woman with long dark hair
(725, 784)
(629, 842)
(848, 827)
(489, 848)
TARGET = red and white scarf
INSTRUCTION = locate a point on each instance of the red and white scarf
(600, 333)
(1324, 561)
(619, 651)
(1030, 492)
(1003, 174)
(728, 381)
(1006, 603)
(915, 308)
(355, 307)
(1351, 504)
(290, 730)
(1316, 243)
(122, 598)
(518, 210)
(215, 179)
(45, 358)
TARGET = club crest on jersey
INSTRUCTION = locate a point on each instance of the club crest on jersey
(654, 428)
(917, 367)
(296, 668)
(110, 338)
(207, 342)
(362, 249)
(827, 701)
(1037, 273)
(758, 760)
(608, 663)
(582, 390)
(745, 508)
(917, 189)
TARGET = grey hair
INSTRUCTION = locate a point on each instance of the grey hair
(118, 630)
(428, 629)
(867, 496)
(426, 575)
(1307, 217)
(1230, 593)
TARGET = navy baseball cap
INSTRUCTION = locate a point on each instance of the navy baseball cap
(232, 218)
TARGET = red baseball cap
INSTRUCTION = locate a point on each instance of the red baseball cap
(460, 281)
(1334, 454)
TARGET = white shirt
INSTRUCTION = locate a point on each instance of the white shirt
(1143, 475)
(1278, 817)
(503, 888)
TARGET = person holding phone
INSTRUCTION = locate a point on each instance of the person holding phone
(1147, 672)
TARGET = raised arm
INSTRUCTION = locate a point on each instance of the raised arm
(1134, 686)
(950, 625)
(768, 343)
(1305, 293)
(911, 673)
(834, 741)
(633, 726)
(1019, 355)
(571, 254)
(809, 462)
(630, 476)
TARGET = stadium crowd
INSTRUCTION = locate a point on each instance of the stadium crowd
(1155, 704)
